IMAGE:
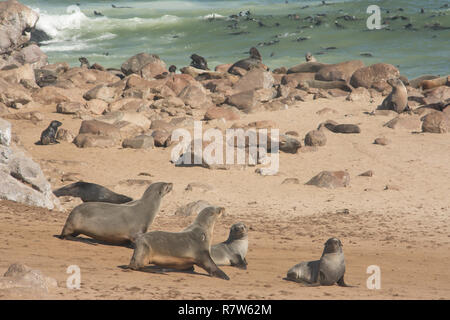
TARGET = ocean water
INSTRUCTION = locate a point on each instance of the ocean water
(176, 29)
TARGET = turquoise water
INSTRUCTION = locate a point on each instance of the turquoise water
(176, 29)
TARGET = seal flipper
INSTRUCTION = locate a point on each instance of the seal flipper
(209, 265)
(239, 262)
(342, 283)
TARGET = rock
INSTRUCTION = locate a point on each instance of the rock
(368, 173)
(102, 92)
(178, 82)
(100, 128)
(367, 76)
(33, 116)
(88, 140)
(16, 75)
(195, 96)
(50, 94)
(339, 71)
(330, 179)
(287, 144)
(315, 138)
(359, 94)
(139, 142)
(96, 106)
(253, 80)
(70, 107)
(139, 61)
(32, 55)
(245, 101)
(221, 112)
(161, 138)
(291, 181)
(437, 95)
(152, 69)
(436, 122)
(5, 132)
(162, 125)
(192, 209)
(382, 141)
(392, 187)
(22, 281)
(128, 129)
(16, 22)
(64, 135)
(404, 121)
(223, 67)
(14, 95)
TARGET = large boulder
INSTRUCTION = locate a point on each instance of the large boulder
(221, 112)
(100, 128)
(368, 76)
(31, 54)
(436, 122)
(253, 80)
(16, 22)
(195, 96)
(149, 64)
(339, 71)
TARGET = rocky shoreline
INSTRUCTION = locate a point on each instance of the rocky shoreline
(139, 104)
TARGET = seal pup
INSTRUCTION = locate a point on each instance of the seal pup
(255, 60)
(116, 223)
(199, 62)
(397, 100)
(172, 69)
(180, 250)
(91, 192)
(327, 271)
(48, 136)
(232, 252)
(309, 57)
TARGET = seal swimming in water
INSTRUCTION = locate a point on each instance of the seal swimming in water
(116, 223)
(91, 192)
(327, 271)
(48, 136)
(255, 60)
(232, 252)
(180, 250)
(199, 62)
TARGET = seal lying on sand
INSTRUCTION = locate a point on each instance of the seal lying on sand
(180, 250)
(327, 271)
(48, 136)
(232, 252)
(91, 192)
(116, 223)
(255, 60)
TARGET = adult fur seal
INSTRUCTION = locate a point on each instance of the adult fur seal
(327, 271)
(255, 60)
(180, 250)
(232, 252)
(116, 223)
(91, 192)
(199, 62)
(309, 57)
(48, 136)
(397, 100)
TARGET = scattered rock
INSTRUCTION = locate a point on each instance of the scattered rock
(382, 141)
(368, 173)
(315, 138)
(139, 142)
(291, 181)
(330, 179)
(436, 122)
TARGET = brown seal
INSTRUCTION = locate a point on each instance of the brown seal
(232, 252)
(180, 250)
(327, 271)
(116, 223)
(91, 192)
(397, 100)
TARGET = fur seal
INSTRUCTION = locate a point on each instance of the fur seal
(48, 136)
(116, 223)
(172, 69)
(199, 62)
(309, 57)
(327, 271)
(397, 100)
(180, 250)
(91, 192)
(255, 60)
(84, 62)
(232, 252)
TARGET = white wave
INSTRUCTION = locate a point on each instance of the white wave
(212, 16)
(65, 46)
